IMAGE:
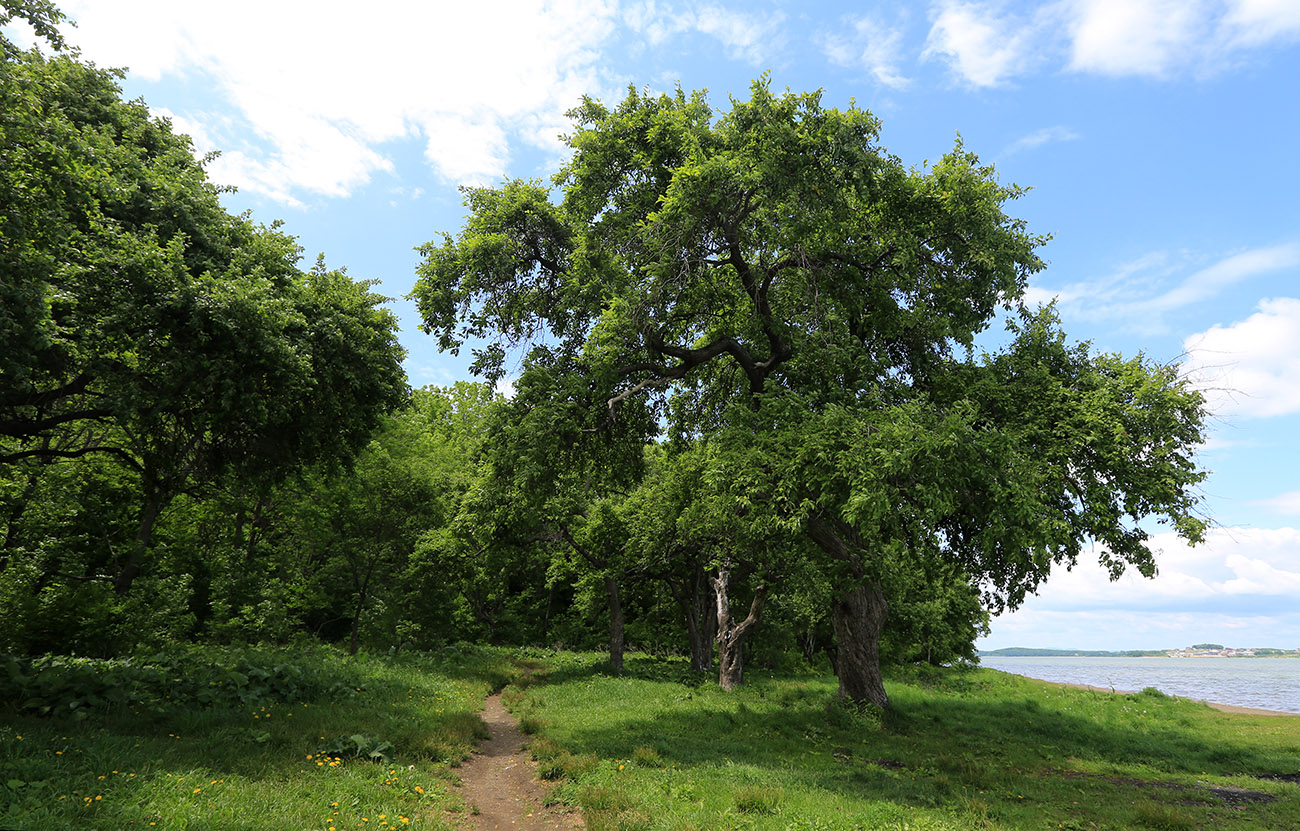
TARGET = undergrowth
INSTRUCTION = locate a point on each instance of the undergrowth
(200, 737)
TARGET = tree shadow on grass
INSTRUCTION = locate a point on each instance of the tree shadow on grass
(934, 748)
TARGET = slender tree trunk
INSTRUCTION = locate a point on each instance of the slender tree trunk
(693, 598)
(546, 618)
(356, 625)
(361, 584)
(702, 630)
(708, 638)
(732, 635)
(149, 514)
(859, 617)
(616, 641)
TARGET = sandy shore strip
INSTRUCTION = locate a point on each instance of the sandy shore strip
(1223, 708)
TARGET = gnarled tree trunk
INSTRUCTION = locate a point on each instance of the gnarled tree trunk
(858, 615)
(732, 635)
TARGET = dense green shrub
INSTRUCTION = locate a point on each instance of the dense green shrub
(179, 677)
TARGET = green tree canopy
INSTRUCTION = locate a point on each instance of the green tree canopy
(773, 279)
(142, 322)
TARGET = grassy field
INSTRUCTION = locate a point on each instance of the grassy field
(242, 739)
(959, 750)
(313, 740)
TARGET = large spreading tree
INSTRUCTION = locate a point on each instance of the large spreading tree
(143, 325)
(772, 280)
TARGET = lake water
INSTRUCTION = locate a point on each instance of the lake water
(1269, 683)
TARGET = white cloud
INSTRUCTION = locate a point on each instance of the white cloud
(986, 44)
(749, 37)
(981, 47)
(1250, 369)
(1287, 504)
(1227, 272)
(1239, 579)
(1121, 629)
(1165, 38)
(505, 386)
(1105, 296)
(314, 90)
(1135, 37)
(1253, 22)
(1256, 576)
(1147, 289)
(868, 44)
(1040, 137)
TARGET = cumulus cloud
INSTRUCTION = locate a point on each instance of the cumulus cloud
(982, 46)
(987, 43)
(1165, 38)
(1238, 579)
(1135, 37)
(312, 92)
(1250, 369)
(865, 43)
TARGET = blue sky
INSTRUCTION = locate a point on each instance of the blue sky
(1159, 137)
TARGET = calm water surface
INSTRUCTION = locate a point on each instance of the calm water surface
(1270, 683)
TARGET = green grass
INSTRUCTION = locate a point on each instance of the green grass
(958, 750)
(272, 763)
(197, 741)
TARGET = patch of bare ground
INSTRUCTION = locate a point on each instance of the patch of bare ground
(500, 785)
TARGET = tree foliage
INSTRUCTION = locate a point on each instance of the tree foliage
(773, 281)
(152, 346)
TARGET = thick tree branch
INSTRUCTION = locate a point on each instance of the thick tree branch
(26, 427)
(36, 399)
(50, 454)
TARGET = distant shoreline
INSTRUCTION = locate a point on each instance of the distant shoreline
(1027, 652)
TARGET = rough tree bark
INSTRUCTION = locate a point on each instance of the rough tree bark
(732, 635)
(858, 615)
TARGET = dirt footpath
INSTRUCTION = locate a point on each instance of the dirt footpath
(500, 782)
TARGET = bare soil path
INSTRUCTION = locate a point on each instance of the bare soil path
(500, 782)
